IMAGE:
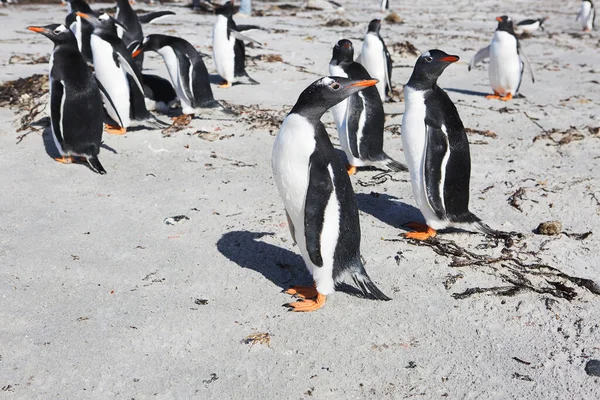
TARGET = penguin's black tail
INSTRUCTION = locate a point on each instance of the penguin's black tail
(384, 161)
(484, 228)
(367, 287)
(95, 165)
(157, 123)
(245, 80)
(396, 166)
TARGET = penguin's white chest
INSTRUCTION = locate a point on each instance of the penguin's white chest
(223, 52)
(372, 57)
(505, 64)
(172, 64)
(587, 15)
(114, 80)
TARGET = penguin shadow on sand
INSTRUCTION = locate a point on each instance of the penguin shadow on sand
(388, 209)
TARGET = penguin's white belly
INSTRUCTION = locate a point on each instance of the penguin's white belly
(223, 52)
(505, 64)
(113, 79)
(373, 59)
(340, 116)
(172, 63)
(414, 142)
(587, 15)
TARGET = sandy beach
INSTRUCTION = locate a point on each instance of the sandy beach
(101, 298)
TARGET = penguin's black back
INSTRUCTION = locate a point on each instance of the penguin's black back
(239, 50)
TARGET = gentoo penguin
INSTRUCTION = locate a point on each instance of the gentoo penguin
(318, 197)
(80, 27)
(376, 59)
(119, 77)
(188, 75)
(384, 5)
(587, 15)
(359, 118)
(229, 52)
(159, 92)
(437, 151)
(530, 25)
(506, 61)
(75, 103)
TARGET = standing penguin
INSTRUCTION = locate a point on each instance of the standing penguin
(317, 194)
(437, 151)
(188, 74)
(587, 15)
(119, 77)
(359, 118)
(376, 59)
(507, 60)
(75, 102)
(80, 27)
(229, 52)
(384, 5)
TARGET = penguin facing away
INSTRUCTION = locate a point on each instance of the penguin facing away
(75, 102)
(587, 15)
(119, 78)
(376, 59)
(317, 195)
(437, 151)
(507, 61)
(360, 118)
(160, 94)
(188, 74)
(229, 51)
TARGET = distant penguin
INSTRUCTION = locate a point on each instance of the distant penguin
(437, 151)
(75, 103)
(317, 195)
(587, 15)
(188, 74)
(384, 5)
(229, 52)
(530, 25)
(160, 94)
(359, 118)
(376, 59)
(119, 77)
(507, 61)
(81, 28)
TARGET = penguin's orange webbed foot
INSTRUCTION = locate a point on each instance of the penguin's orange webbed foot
(496, 95)
(507, 97)
(64, 160)
(303, 292)
(351, 169)
(225, 85)
(422, 231)
(308, 305)
(114, 130)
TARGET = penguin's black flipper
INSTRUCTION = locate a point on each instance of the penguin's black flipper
(154, 16)
(105, 95)
(241, 28)
(95, 165)
(367, 287)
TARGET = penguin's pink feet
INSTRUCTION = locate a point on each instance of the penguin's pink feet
(496, 95)
(225, 84)
(507, 97)
(422, 231)
(351, 169)
(303, 292)
(114, 129)
(64, 160)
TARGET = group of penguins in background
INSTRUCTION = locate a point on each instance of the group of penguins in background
(96, 65)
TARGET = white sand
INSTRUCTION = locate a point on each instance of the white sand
(97, 293)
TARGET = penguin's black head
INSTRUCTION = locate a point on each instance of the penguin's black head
(505, 24)
(429, 67)
(374, 26)
(325, 93)
(343, 53)
(79, 5)
(226, 10)
(152, 43)
(58, 33)
(104, 23)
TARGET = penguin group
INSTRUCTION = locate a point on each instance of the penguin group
(97, 85)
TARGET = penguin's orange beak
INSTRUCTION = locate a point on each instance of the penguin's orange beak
(36, 29)
(365, 83)
(82, 15)
(450, 59)
(136, 53)
(498, 19)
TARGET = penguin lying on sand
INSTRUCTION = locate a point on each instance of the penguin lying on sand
(507, 60)
(587, 15)
(119, 78)
(359, 118)
(530, 25)
(317, 194)
(75, 103)
(159, 92)
(188, 74)
(376, 59)
(229, 52)
(437, 151)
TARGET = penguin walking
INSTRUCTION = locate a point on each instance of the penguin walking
(317, 194)
(437, 151)
(587, 15)
(119, 78)
(507, 61)
(75, 102)
(359, 118)
(528, 26)
(229, 51)
(188, 74)
(376, 59)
